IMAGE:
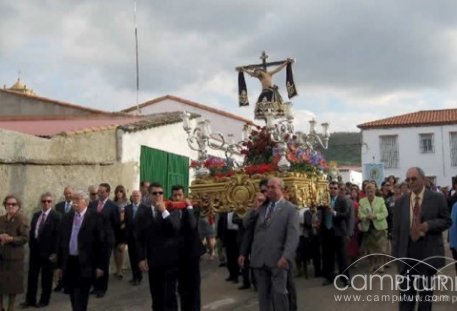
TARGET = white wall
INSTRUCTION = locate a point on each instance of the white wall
(436, 164)
(351, 176)
(219, 123)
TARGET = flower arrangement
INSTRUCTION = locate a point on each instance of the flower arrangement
(218, 167)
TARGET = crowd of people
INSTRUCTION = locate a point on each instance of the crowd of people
(166, 238)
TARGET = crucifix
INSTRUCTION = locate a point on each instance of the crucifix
(264, 65)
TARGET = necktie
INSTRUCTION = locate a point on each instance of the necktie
(41, 223)
(329, 214)
(135, 209)
(269, 212)
(415, 232)
(67, 207)
(74, 234)
(100, 206)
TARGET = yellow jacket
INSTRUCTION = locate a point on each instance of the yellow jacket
(379, 211)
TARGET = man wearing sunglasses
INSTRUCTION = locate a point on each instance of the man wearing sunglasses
(418, 223)
(158, 249)
(43, 252)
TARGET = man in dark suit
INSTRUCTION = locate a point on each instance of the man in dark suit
(111, 222)
(81, 250)
(227, 232)
(63, 208)
(158, 247)
(275, 240)
(131, 220)
(190, 250)
(418, 224)
(334, 236)
(43, 252)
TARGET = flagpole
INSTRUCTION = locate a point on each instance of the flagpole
(137, 64)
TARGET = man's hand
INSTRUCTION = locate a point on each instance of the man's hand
(241, 260)
(98, 273)
(188, 202)
(160, 206)
(423, 227)
(283, 263)
(143, 265)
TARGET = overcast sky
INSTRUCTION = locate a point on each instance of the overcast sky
(356, 61)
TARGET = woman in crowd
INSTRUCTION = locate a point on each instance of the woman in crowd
(354, 242)
(120, 198)
(373, 224)
(13, 236)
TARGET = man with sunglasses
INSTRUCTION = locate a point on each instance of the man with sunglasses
(417, 234)
(43, 252)
(158, 249)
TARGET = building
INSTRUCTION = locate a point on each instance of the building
(221, 121)
(427, 139)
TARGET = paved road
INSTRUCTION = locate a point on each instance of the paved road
(223, 296)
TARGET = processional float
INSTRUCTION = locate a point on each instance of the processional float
(274, 149)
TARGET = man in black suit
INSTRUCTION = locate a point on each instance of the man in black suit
(132, 211)
(43, 252)
(158, 246)
(111, 221)
(417, 233)
(81, 250)
(334, 236)
(63, 208)
(227, 232)
(190, 249)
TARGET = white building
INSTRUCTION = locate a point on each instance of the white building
(427, 139)
(221, 121)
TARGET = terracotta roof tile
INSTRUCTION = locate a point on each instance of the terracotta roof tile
(419, 118)
(190, 103)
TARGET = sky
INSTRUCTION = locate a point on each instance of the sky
(356, 61)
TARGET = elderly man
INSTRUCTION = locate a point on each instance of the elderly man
(418, 224)
(275, 240)
(43, 249)
(81, 250)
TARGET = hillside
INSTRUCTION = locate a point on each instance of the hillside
(344, 148)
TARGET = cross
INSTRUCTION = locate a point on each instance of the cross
(264, 63)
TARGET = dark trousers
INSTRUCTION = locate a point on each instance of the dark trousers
(101, 284)
(315, 254)
(333, 246)
(37, 265)
(133, 257)
(245, 272)
(77, 285)
(291, 289)
(454, 255)
(232, 252)
(189, 280)
(162, 286)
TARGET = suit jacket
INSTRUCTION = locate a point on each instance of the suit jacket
(308, 223)
(131, 222)
(158, 238)
(279, 238)
(46, 244)
(18, 228)
(111, 219)
(340, 220)
(378, 210)
(191, 244)
(434, 211)
(91, 243)
(60, 207)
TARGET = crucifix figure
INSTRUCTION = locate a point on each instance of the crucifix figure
(270, 99)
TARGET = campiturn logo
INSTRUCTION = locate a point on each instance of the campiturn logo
(411, 278)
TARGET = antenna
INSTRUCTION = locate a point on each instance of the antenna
(138, 110)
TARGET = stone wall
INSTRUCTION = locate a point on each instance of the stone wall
(30, 165)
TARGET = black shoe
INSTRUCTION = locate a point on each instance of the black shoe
(42, 305)
(26, 305)
(100, 294)
(235, 280)
(222, 264)
(93, 292)
(244, 287)
(326, 283)
(230, 279)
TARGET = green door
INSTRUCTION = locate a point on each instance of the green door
(166, 168)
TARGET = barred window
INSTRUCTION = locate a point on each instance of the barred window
(389, 151)
(426, 144)
(453, 147)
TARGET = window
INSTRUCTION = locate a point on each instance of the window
(426, 143)
(389, 151)
(453, 147)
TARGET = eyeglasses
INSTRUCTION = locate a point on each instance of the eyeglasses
(411, 179)
(93, 193)
(333, 188)
(157, 192)
(46, 201)
(264, 191)
(10, 204)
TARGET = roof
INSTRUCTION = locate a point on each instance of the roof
(53, 127)
(60, 103)
(419, 118)
(187, 102)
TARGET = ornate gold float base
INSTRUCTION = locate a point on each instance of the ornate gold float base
(237, 193)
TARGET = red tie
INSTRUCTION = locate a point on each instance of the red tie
(100, 206)
(415, 232)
